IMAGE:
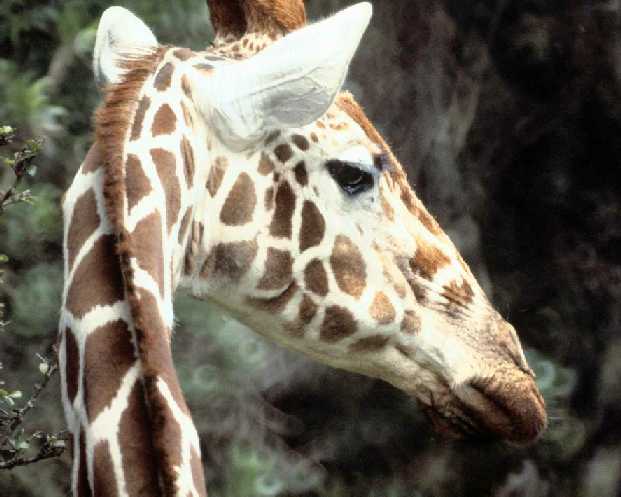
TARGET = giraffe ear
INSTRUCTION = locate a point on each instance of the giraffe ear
(120, 35)
(289, 84)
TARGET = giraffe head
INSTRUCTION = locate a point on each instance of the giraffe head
(304, 226)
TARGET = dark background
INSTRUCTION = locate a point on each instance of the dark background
(507, 115)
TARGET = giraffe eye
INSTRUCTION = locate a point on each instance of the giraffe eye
(350, 178)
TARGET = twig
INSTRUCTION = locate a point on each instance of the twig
(50, 448)
(21, 164)
(19, 414)
(53, 444)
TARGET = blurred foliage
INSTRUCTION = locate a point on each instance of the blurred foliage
(19, 447)
(507, 116)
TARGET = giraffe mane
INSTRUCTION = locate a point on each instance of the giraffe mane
(112, 122)
(112, 126)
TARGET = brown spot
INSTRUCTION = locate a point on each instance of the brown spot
(164, 77)
(214, 57)
(418, 210)
(204, 68)
(136, 446)
(143, 105)
(164, 122)
(187, 115)
(285, 205)
(283, 152)
(428, 260)
(186, 86)
(84, 488)
(271, 138)
(313, 226)
(170, 438)
(388, 210)
(72, 370)
(278, 270)
(240, 203)
(183, 53)
(201, 232)
(308, 309)
(370, 344)
(314, 137)
(92, 161)
(198, 475)
(419, 291)
(104, 480)
(306, 313)
(429, 222)
(338, 323)
(348, 266)
(188, 262)
(381, 309)
(166, 169)
(321, 125)
(458, 297)
(187, 153)
(301, 142)
(461, 294)
(230, 260)
(276, 304)
(216, 173)
(269, 199)
(97, 280)
(400, 289)
(108, 355)
(301, 175)
(266, 166)
(185, 224)
(147, 247)
(153, 339)
(137, 185)
(84, 222)
(411, 323)
(315, 278)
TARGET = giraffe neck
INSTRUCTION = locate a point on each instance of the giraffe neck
(131, 426)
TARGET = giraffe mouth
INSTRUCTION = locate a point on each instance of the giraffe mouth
(488, 410)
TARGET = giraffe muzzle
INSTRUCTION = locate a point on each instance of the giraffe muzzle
(512, 410)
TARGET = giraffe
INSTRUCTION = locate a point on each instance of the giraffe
(245, 174)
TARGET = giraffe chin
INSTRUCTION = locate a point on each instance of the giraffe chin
(491, 411)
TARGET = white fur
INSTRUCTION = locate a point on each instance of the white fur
(289, 84)
(120, 34)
